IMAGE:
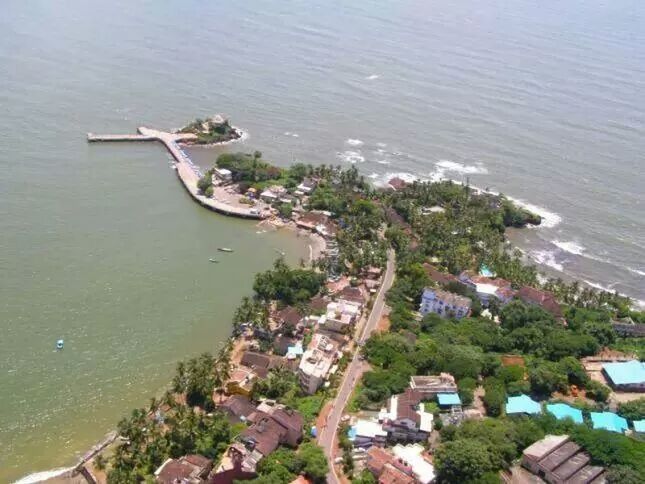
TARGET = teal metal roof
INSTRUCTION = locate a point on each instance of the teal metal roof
(608, 421)
(522, 404)
(639, 426)
(562, 411)
(625, 372)
(448, 399)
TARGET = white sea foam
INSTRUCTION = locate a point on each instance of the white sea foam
(636, 271)
(383, 162)
(293, 135)
(43, 476)
(405, 176)
(596, 285)
(452, 166)
(381, 145)
(571, 247)
(547, 258)
(372, 77)
(354, 142)
(351, 156)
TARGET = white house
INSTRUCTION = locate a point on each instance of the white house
(445, 304)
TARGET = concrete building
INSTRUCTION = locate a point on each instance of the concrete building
(405, 418)
(445, 304)
(387, 468)
(223, 174)
(487, 288)
(340, 316)
(557, 460)
(317, 362)
(429, 386)
(414, 455)
(366, 433)
(625, 376)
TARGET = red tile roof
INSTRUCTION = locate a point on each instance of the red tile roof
(545, 299)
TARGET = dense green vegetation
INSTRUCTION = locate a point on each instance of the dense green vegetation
(284, 465)
(287, 286)
(209, 132)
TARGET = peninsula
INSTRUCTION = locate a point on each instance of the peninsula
(417, 348)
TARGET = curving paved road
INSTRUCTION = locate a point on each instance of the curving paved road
(353, 373)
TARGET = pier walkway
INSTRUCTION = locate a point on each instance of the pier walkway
(187, 171)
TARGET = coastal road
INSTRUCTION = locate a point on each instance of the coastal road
(353, 373)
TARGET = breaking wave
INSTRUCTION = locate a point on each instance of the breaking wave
(570, 247)
(43, 476)
(354, 142)
(351, 156)
(546, 258)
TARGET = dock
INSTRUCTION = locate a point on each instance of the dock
(188, 173)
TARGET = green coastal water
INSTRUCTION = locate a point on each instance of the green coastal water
(102, 247)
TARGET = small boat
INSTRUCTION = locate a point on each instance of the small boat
(59, 344)
(224, 249)
(213, 260)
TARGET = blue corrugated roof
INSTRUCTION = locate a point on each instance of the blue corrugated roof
(448, 399)
(625, 372)
(562, 411)
(639, 426)
(608, 421)
(522, 404)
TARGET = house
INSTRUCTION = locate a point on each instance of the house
(639, 427)
(282, 343)
(488, 288)
(522, 404)
(387, 468)
(352, 294)
(310, 220)
(190, 469)
(318, 304)
(241, 381)
(289, 316)
(340, 316)
(406, 418)
(307, 186)
(223, 174)
(429, 386)
(440, 277)
(366, 433)
(608, 421)
(238, 463)
(544, 299)
(288, 418)
(372, 272)
(414, 455)
(238, 408)
(260, 363)
(316, 362)
(445, 304)
(627, 328)
(625, 376)
(557, 460)
(268, 196)
(450, 400)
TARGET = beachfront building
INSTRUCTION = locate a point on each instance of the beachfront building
(431, 385)
(487, 288)
(625, 376)
(317, 362)
(268, 196)
(405, 418)
(445, 304)
(544, 299)
(223, 174)
(241, 381)
(522, 404)
(189, 469)
(557, 460)
(307, 186)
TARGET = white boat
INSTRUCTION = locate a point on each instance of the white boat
(213, 260)
(224, 249)
(59, 344)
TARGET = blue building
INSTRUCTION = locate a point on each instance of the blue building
(445, 304)
(562, 411)
(522, 404)
(627, 376)
(608, 421)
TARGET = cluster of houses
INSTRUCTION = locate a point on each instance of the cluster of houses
(394, 439)
(486, 288)
(270, 425)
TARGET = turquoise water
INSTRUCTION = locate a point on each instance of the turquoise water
(100, 245)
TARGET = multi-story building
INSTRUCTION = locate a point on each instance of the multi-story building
(317, 362)
(445, 304)
(430, 386)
